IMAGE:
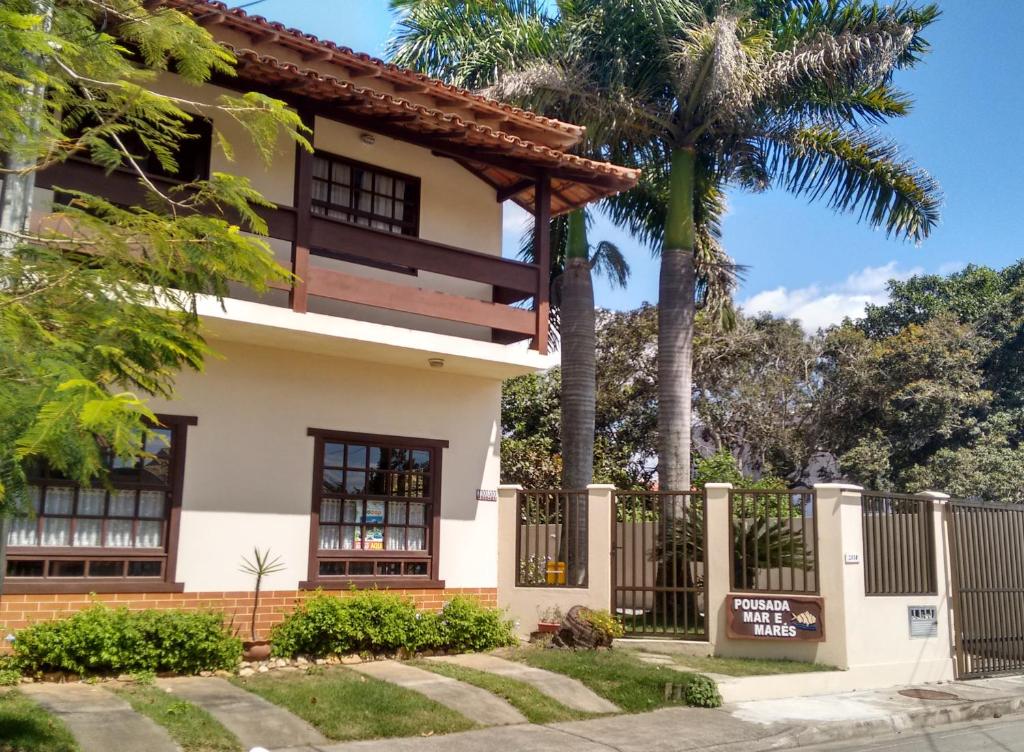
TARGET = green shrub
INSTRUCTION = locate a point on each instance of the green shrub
(702, 692)
(603, 621)
(9, 677)
(465, 626)
(100, 640)
(376, 622)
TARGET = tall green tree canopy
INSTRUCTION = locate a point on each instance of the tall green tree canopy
(98, 301)
(703, 95)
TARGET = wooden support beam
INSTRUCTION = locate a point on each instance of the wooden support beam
(504, 194)
(303, 192)
(542, 242)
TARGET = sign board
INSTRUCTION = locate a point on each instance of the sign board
(486, 494)
(795, 618)
(852, 558)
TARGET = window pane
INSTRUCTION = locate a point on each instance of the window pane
(420, 460)
(341, 196)
(399, 189)
(151, 504)
(378, 484)
(329, 539)
(23, 532)
(356, 456)
(87, 532)
(416, 568)
(321, 191)
(360, 567)
(332, 568)
(342, 174)
(389, 568)
(355, 482)
(122, 503)
(321, 167)
(396, 539)
(417, 514)
(374, 538)
(374, 512)
(334, 454)
(144, 569)
(349, 536)
(378, 457)
(396, 513)
(333, 481)
(25, 568)
(353, 511)
(157, 468)
(150, 534)
(56, 531)
(106, 568)
(67, 569)
(385, 184)
(59, 500)
(399, 459)
(119, 534)
(91, 502)
(417, 540)
(330, 511)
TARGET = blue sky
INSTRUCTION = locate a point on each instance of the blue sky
(804, 260)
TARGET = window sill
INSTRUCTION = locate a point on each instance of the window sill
(371, 583)
(49, 587)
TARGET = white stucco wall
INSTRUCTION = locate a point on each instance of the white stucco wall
(249, 460)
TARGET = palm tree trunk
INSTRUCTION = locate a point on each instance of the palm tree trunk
(676, 313)
(579, 386)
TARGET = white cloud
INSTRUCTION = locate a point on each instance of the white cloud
(820, 305)
(515, 219)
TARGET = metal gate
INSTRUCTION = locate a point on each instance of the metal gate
(987, 547)
(658, 564)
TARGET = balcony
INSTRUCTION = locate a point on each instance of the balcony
(348, 270)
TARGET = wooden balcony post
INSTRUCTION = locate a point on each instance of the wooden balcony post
(542, 242)
(298, 298)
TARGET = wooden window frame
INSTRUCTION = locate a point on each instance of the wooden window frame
(168, 555)
(432, 553)
(410, 228)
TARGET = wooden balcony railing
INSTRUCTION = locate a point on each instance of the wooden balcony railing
(312, 237)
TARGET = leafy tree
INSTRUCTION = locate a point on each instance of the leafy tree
(98, 301)
(702, 96)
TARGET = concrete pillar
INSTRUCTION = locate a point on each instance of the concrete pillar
(718, 559)
(526, 604)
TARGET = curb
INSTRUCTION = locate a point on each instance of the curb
(901, 722)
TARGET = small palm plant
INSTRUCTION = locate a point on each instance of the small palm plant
(260, 566)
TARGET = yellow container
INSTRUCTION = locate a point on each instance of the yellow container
(555, 573)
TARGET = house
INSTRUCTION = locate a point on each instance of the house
(353, 418)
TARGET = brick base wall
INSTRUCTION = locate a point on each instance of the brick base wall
(17, 611)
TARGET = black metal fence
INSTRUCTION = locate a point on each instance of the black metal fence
(658, 545)
(774, 541)
(899, 544)
(987, 542)
(551, 539)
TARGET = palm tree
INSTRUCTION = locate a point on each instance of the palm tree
(703, 95)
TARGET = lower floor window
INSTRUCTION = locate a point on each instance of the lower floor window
(375, 506)
(120, 530)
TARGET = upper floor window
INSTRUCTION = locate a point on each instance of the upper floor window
(116, 533)
(365, 195)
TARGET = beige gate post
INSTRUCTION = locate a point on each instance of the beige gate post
(717, 560)
(526, 604)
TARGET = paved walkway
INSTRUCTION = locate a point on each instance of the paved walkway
(256, 722)
(476, 704)
(99, 720)
(568, 691)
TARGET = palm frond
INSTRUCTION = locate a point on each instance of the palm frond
(608, 261)
(857, 172)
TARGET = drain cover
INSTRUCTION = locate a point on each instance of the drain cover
(928, 694)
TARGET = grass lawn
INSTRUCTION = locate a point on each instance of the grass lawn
(534, 704)
(26, 727)
(748, 666)
(614, 674)
(189, 725)
(346, 705)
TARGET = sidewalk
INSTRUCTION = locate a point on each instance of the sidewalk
(740, 727)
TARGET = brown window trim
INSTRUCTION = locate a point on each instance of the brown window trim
(164, 584)
(410, 228)
(431, 580)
